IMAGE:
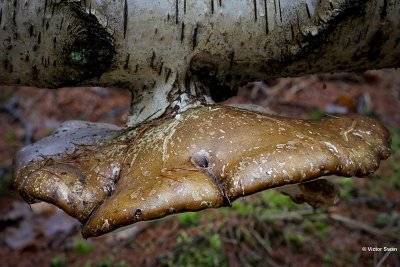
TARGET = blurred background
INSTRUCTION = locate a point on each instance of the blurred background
(265, 229)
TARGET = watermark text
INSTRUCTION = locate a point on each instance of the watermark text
(379, 249)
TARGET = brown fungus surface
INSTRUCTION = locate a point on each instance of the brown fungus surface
(316, 193)
(204, 157)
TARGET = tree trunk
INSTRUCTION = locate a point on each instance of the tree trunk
(169, 51)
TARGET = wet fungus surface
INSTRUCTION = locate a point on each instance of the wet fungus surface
(205, 157)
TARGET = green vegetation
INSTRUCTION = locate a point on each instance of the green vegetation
(277, 200)
(58, 261)
(48, 133)
(82, 246)
(6, 93)
(269, 206)
(10, 137)
(78, 58)
(387, 219)
(204, 250)
(189, 218)
(394, 179)
(329, 256)
(316, 114)
(88, 264)
(106, 262)
(122, 263)
(5, 182)
(346, 186)
(317, 225)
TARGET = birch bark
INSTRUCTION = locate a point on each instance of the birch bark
(171, 52)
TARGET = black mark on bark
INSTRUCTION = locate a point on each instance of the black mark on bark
(182, 32)
(255, 9)
(266, 17)
(308, 11)
(232, 57)
(35, 73)
(153, 57)
(125, 17)
(280, 10)
(384, 9)
(194, 38)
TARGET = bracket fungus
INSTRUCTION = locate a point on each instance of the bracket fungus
(205, 157)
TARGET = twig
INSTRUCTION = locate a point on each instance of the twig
(293, 215)
(383, 259)
(267, 248)
(302, 84)
(362, 226)
(260, 240)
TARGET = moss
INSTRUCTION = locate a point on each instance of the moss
(206, 250)
(58, 261)
(189, 218)
(82, 246)
(78, 58)
(10, 137)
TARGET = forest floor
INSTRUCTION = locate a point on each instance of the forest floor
(265, 229)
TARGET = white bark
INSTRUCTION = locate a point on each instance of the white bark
(164, 49)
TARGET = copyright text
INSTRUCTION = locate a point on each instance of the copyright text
(384, 249)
